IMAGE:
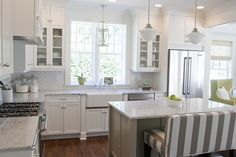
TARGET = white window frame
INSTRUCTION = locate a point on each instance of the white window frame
(229, 67)
(95, 58)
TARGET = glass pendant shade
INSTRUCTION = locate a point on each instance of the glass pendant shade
(148, 33)
(103, 35)
(195, 36)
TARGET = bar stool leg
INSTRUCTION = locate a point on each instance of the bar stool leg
(147, 151)
(231, 153)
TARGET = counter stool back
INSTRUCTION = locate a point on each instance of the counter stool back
(193, 134)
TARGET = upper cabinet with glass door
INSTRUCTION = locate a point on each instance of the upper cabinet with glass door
(50, 56)
(148, 56)
(146, 53)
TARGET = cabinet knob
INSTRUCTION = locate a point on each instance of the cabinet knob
(63, 107)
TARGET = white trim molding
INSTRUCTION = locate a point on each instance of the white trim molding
(221, 15)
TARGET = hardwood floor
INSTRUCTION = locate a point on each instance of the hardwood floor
(92, 147)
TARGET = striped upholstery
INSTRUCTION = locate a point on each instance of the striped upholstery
(199, 133)
(155, 139)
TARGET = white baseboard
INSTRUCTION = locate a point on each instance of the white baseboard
(57, 137)
(94, 134)
(82, 136)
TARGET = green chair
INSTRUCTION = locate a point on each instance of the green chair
(216, 84)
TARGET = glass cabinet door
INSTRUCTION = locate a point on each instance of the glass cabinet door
(149, 54)
(42, 50)
(143, 54)
(155, 54)
(57, 46)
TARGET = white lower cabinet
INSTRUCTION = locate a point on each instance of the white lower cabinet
(63, 116)
(55, 118)
(97, 120)
(71, 118)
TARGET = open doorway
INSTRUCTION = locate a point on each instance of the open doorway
(222, 73)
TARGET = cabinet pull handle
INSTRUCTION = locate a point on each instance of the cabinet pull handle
(6, 65)
(63, 99)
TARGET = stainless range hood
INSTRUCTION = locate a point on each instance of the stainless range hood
(30, 40)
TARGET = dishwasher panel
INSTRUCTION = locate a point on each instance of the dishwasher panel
(141, 96)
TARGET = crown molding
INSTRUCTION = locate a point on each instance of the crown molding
(221, 8)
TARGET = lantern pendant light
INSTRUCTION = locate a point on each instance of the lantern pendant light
(148, 33)
(102, 31)
(195, 36)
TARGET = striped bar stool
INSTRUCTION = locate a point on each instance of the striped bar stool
(193, 134)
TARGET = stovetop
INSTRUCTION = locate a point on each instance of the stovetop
(19, 109)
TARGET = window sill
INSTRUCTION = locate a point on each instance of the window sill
(98, 87)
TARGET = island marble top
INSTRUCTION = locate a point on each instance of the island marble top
(17, 133)
(162, 107)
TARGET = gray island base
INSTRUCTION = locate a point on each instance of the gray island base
(128, 121)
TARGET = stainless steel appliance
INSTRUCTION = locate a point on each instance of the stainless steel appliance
(141, 96)
(28, 109)
(185, 73)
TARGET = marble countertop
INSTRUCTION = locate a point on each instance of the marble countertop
(17, 133)
(162, 108)
(39, 97)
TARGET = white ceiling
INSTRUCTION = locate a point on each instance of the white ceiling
(179, 4)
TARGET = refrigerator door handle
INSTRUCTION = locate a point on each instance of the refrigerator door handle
(189, 75)
(185, 73)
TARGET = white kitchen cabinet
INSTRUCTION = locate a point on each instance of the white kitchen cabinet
(148, 56)
(55, 118)
(57, 16)
(106, 119)
(63, 114)
(54, 16)
(50, 55)
(146, 53)
(71, 118)
(27, 20)
(179, 27)
(97, 120)
(29, 54)
(6, 39)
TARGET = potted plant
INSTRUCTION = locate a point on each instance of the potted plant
(7, 93)
(81, 79)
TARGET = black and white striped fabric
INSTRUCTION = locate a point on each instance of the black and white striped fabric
(199, 133)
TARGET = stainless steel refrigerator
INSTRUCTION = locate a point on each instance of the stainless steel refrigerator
(185, 73)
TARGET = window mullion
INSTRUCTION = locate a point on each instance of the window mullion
(95, 58)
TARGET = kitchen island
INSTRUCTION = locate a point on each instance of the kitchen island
(128, 121)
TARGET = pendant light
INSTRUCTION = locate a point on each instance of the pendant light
(195, 36)
(148, 33)
(102, 31)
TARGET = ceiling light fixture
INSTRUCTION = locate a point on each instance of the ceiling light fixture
(200, 7)
(102, 31)
(148, 33)
(195, 36)
(158, 5)
(112, 0)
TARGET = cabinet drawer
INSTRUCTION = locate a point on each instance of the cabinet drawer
(62, 98)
